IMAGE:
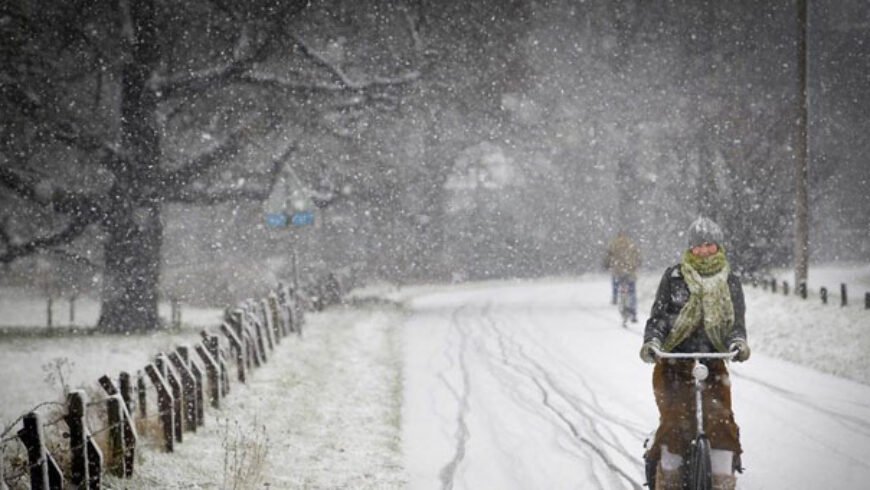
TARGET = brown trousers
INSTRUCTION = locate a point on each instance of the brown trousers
(674, 390)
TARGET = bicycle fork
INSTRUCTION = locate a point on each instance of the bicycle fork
(700, 373)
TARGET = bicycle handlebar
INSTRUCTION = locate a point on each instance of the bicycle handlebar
(694, 355)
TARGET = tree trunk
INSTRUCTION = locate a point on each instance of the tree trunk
(135, 232)
(131, 277)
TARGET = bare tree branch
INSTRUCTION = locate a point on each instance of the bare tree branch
(85, 206)
(64, 130)
(76, 258)
(225, 151)
(73, 230)
(18, 185)
(5, 237)
(345, 82)
(191, 196)
(188, 85)
(291, 86)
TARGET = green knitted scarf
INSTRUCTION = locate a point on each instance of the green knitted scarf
(709, 303)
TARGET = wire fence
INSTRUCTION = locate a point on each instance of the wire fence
(167, 396)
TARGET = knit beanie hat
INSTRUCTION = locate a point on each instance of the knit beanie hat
(704, 230)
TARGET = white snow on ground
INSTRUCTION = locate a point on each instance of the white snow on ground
(329, 402)
(28, 360)
(32, 366)
(537, 386)
(508, 385)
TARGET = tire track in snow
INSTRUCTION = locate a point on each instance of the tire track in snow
(448, 471)
(547, 387)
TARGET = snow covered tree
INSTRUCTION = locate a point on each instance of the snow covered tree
(114, 109)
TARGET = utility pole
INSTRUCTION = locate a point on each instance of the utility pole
(801, 232)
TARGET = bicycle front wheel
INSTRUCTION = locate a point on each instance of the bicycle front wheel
(700, 472)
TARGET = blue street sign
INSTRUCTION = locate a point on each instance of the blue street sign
(276, 220)
(303, 218)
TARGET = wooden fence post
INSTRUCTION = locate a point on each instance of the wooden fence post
(225, 373)
(75, 420)
(275, 310)
(213, 372)
(126, 389)
(212, 346)
(241, 351)
(823, 293)
(122, 433)
(251, 338)
(188, 387)
(264, 330)
(117, 446)
(252, 325)
(32, 437)
(115, 408)
(55, 475)
(141, 392)
(172, 377)
(95, 463)
(199, 387)
(165, 402)
(3, 485)
(268, 321)
(237, 320)
(844, 298)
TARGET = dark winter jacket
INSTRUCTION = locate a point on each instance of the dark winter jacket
(671, 297)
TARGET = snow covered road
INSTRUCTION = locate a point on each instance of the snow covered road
(537, 386)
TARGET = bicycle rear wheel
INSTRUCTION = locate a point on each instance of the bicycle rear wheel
(700, 472)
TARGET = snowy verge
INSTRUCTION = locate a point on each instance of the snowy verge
(324, 412)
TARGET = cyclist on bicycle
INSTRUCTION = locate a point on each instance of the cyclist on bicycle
(699, 307)
(623, 260)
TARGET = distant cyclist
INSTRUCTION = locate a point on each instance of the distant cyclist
(699, 307)
(622, 260)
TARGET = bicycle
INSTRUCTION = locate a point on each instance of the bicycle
(699, 466)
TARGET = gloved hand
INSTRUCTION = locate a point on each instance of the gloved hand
(741, 348)
(646, 351)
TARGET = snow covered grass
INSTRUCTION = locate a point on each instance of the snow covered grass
(324, 412)
(829, 338)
